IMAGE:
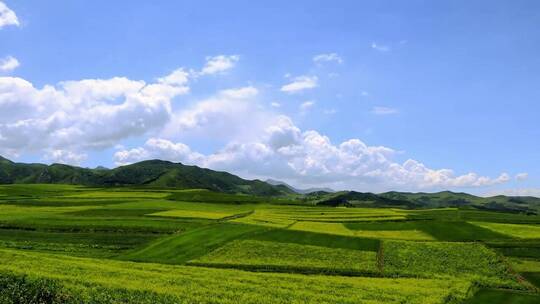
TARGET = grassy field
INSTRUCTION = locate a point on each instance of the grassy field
(522, 231)
(271, 256)
(135, 245)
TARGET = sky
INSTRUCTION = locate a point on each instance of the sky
(364, 95)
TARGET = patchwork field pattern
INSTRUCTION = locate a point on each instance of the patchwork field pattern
(271, 256)
(94, 245)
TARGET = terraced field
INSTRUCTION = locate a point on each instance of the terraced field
(91, 245)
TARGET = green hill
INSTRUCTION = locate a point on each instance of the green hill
(151, 173)
(428, 200)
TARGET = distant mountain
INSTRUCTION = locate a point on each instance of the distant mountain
(299, 191)
(430, 200)
(152, 173)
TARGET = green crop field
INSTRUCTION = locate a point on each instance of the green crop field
(523, 231)
(270, 256)
(74, 244)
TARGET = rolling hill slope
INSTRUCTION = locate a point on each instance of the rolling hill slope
(152, 173)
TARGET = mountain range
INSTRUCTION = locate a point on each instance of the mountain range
(165, 174)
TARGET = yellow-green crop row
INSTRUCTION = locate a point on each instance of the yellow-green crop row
(272, 256)
(523, 231)
(184, 284)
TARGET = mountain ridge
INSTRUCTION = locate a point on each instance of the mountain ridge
(166, 174)
(153, 173)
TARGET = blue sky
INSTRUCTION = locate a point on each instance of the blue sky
(448, 84)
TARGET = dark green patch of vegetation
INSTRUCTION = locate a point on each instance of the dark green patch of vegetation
(17, 289)
(490, 296)
(180, 248)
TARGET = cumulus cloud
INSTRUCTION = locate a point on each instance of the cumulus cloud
(522, 176)
(380, 47)
(230, 114)
(384, 110)
(300, 83)
(65, 157)
(82, 114)
(8, 64)
(7, 16)
(158, 149)
(308, 158)
(331, 57)
(219, 64)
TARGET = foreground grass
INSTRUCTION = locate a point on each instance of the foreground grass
(522, 231)
(439, 259)
(488, 296)
(180, 248)
(105, 281)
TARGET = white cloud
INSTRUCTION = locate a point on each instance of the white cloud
(240, 93)
(522, 176)
(307, 158)
(219, 64)
(379, 47)
(364, 93)
(275, 104)
(306, 105)
(155, 148)
(8, 64)
(82, 114)
(300, 83)
(331, 57)
(178, 77)
(65, 157)
(229, 115)
(7, 16)
(383, 111)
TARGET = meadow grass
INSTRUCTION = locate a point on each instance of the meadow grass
(329, 228)
(272, 256)
(263, 217)
(182, 247)
(192, 214)
(91, 244)
(413, 235)
(524, 248)
(458, 231)
(117, 281)
(490, 296)
(522, 231)
(525, 265)
(436, 259)
(317, 239)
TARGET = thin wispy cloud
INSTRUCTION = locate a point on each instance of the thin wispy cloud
(7, 16)
(219, 64)
(300, 83)
(275, 104)
(522, 176)
(305, 106)
(8, 64)
(384, 110)
(380, 47)
(331, 57)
